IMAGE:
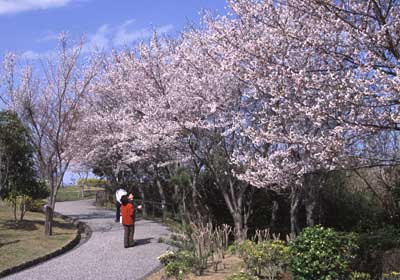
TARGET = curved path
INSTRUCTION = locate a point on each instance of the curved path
(103, 256)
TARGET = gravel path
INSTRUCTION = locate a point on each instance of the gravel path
(103, 256)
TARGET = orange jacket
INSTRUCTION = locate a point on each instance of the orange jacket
(127, 213)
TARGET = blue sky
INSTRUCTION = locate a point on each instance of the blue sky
(31, 27)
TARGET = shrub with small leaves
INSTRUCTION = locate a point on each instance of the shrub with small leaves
(360, 276)
(167, 257)
(176, 269)
(243, 276)
(267, 258)
(183, 262)
(391, 276)
(320, 253)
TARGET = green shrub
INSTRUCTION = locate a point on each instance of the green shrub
(320, 253)
(176, 269)
(373, 246)
(360, 276)
(385, 238)
(37, 205)
(167, 257)
(243, 276)
(391, 276)
(182, 263)
(266, 258)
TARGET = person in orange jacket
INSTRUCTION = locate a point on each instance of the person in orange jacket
(128, 221)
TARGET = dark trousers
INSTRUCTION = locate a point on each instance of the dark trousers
(129, 231)
(118, 206)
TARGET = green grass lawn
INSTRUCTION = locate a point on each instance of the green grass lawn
(26, 240)
(75, 193)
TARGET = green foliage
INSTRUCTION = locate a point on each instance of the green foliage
(18, 179)
(360, 276)
(243, 276)
(181, 178)
(182, 263)
(373, 246)
(176, 269)
(17, 173)
(266, 258)
(167, 257)
(320, 253)
(36, 205)
(394, 275)
(346, 208)
(385, 238)
(91, 182)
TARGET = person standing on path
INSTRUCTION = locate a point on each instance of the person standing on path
(118, 194)
(128, 221)
(135, 209)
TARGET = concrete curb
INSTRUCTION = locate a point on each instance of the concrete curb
(84, 233)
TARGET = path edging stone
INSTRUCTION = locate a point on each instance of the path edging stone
(82, 227)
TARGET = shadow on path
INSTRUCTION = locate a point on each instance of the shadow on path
(143, 241)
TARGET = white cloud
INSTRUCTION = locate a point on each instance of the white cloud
(32, 55)
(49, 36)
(16, 6)
(108, 36)
(100, 39)
(126, 35)
(105, 38)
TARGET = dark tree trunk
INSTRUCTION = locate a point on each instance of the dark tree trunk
(296, 201)
(48, 227)
(163, 200)
(274, 215)
(14, 206)
(142, 194)
(234, 197)
(313, 184)
(22, 208)
(55, 183)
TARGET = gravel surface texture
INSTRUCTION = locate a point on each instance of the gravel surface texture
(103, 256)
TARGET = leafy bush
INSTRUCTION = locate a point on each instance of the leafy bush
(176, 269)
(182, 263)
(167, 257)
(267, 258)
(243, 276)
(360, 276)
(373, 246)
(320, 253)
(385, 238)
(37, 205)
(391, 276)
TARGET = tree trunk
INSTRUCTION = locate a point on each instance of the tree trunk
(197, 208)
(240, 233)
(14, 206)
(313, 183)
(274, 215)
(184, 215)
(234, 200)
(294, 210)
(54, 185)
(144, 210)
(22, 208)
(48, 226)
(163, 200)
(310, 213)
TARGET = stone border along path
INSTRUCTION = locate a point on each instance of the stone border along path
(103, 256)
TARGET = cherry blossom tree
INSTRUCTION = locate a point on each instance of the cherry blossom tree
(290, 89)
(48, 101)
(322, 76)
